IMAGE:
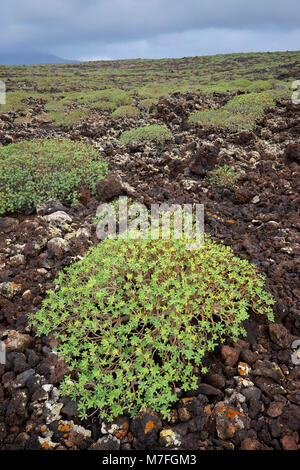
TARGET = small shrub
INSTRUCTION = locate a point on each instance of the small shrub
(105, 100)
(147, 103)
(64, 118)
(223, 176)
(153, 91)
(14, 102)
(133, 317)
(33, 171)
(125, 111)
(153, 133)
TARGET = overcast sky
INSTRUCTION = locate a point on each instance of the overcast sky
(116, 29)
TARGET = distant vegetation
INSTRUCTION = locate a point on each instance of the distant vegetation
(71, 92)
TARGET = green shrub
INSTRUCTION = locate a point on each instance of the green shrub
(147, 103)
(57, 105)
(250, 103)
(62, 117)
(105, 100)
(241, 112)
(153, 91)
(224, 118)
(14, 102)
(223, 176)
(125, 111)
(153, 133)
(33, 171)
(133, 317)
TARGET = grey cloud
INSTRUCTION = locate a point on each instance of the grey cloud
(75, 28)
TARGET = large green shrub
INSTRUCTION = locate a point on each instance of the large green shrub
(239, 113)
(152, 133)
(250, 103)
(133, 317)
(33, 171)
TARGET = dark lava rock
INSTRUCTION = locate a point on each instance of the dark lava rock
(108, 442)
(250, 444)
(290, 442)
(251, 392)
(290, 419)
(49, 207)
(269, 387)
(230, 355)
(280, 335)
(242, 196)
(275, 409)
(70, 409)
(145, 427)
(23, 378)
(206, 389)
(292, 151)
(109, 187)
(216, 380)
(8, 224)
(204, 160)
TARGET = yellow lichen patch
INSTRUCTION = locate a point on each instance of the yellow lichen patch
(207, 410)
(63, 427)
(230, 221)
(149, 426)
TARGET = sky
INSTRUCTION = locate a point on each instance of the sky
(125, 29)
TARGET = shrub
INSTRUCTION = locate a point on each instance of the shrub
(64, 118)
(147, 103)
(222, 117)
(14, 102)
(133, 317)
(105, 100)
(125, 111)
(33, 171)
(223, 176)
(239, 113)
(250, 103)
(153, 133)
(153, 91)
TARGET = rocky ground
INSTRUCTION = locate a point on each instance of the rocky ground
(250, 398)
